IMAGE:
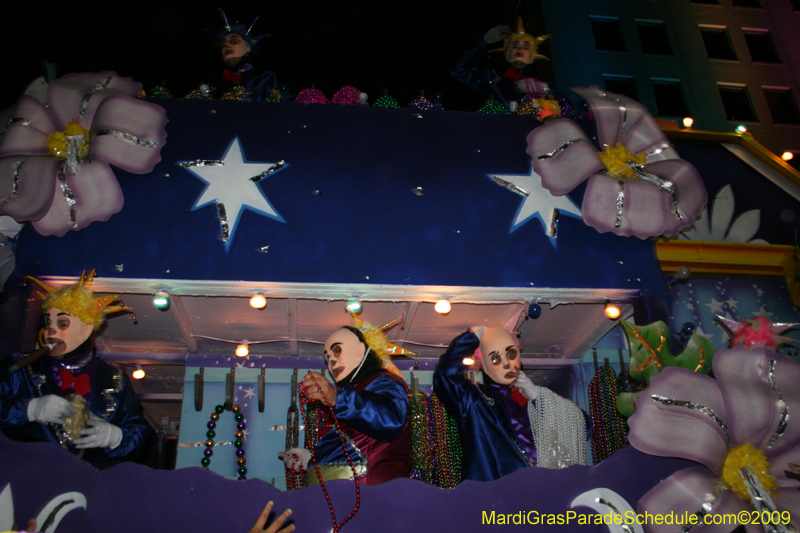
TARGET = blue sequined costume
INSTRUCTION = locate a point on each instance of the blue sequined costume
(110, 397)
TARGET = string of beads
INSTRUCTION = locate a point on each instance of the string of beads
(241, 424)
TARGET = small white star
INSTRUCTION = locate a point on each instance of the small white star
(702, 333)
(763, 313)
(249, 392)
(230, 184)
(690, 306)
(715, 306)
(760, 293)
(538, 203)
(246, 433)
(732, 304)
(240, 365)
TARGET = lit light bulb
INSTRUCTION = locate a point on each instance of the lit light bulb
(612, 311)
(442, 307)
(138, 373)
(741, 128)
(787, 156)
(354, 305)
(687, 122)
(243, 350)
(161, 300)
(468, 360)
(258, 301)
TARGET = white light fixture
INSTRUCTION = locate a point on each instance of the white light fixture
(612, 311)
(741, 128)
(243, 350)
(787, 156)
(442, 306)
(354, 305)
(258, 301)
(161, 300)
(138, 372)
(687, 122)
(468, 360)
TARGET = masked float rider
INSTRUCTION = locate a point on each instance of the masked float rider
(370, 400)
(502, 422)
(34, 404)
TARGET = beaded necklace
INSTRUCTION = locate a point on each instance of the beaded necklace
(609, 432)
(239, 442)
(304, 399)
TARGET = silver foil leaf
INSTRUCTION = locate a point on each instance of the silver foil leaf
(763, 503)
(696, 407)
(223, 221)
(658, 150)
(202, 163)
(70, 198)
(16, 120)
(560, 149)
(85, 102)
(75, 145)
(264, 249)
(781, 429)
(511, 187)
(663, 184)
(128, 138)
(624, 109)
(620, 203)
(623, 526)
(277, 166)
(15, 187)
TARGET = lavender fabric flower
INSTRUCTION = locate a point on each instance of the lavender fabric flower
(637, 185)
(55, 160)
(746, 418)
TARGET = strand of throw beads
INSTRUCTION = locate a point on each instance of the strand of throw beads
(238, 443)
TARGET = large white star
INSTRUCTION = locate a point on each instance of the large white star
(230, 185)
(715, 306)
(763, 313)
(537, 203)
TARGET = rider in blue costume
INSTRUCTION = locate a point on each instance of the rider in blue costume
(33, 398)
(494, 424)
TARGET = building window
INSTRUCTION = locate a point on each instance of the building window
(761, 45)
(711, 2)
(747, 3)
(669, 97)
(653, 36)
(782, 105)
(718, 42)
(624, 85)
(608, 34)
(736, 101)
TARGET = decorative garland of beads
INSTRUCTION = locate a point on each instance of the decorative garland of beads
(609, 432)
(444, 446)
(239, 442)
(420, 440)
(387, 102)
(304, 399)
(493, 107)
(421, 103)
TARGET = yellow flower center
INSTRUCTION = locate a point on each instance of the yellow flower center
(58, 142)
(616, 159)
(747, 456)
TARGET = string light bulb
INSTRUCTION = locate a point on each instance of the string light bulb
(161, 300)
(468, 360)
(741, 128)
(612, 311)
(442, 306)
(354, 305)
(787, 156)
(138, 372)
(243, 350)
(687, 122)
(258, 301)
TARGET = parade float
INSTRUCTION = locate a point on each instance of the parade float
(187, 208)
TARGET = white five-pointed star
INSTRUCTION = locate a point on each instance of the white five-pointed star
(732, 304)
(702, 333)
(763, 313)
(690, 306)
(716, 307)
(230, 185)
(249, 392)
(539, 203)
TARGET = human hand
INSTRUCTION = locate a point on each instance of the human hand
(498, 33)
(99, 434)
(277, 523)
(525, 386)
(317, 385)
(49, 409)
(296, 458)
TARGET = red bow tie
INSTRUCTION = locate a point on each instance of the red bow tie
(228, 75)
(513, 74)
(518, 397)
(80, 384)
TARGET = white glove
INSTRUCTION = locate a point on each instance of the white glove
(526, 387)
(478, 331)
(296, 458)
(99, 434)
(49, 409)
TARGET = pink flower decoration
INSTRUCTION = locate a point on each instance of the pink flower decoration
(754, 400)
(311, 96)
(59, 196)
(660, 197)
(347, 95)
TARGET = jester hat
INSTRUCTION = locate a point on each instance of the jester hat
(378, 342)
(521, 34)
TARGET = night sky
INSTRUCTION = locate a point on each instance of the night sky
(373, 46)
